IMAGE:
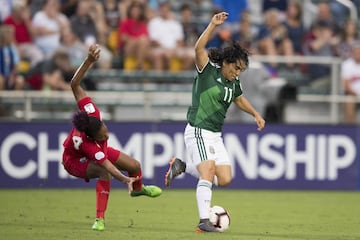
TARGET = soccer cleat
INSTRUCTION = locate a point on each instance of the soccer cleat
(176, 168)
(150, 191)
(205, 226)
(99, 224)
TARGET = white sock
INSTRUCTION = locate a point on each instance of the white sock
(215, 182)
(192, 170)
(203, 198)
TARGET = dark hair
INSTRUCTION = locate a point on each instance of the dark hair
(142, 16)
(89, 125)
(230, 54)
(185, 7)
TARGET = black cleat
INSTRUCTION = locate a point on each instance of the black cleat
(176, 168)
(205, 226)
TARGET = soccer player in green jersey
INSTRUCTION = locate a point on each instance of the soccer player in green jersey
(215, 87)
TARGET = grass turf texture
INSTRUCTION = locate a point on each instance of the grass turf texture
(260, 215)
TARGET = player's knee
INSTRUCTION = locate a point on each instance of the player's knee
(105, 175)
(211, 170)
(224, 181)
(135, 166)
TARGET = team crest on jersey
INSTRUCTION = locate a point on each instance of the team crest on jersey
(99, 155)
(211, 149)
(89, 108)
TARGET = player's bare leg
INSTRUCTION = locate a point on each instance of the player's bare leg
(133, 167)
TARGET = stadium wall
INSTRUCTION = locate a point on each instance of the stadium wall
(280, 157)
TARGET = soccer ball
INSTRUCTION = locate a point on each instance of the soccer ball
(220, 218)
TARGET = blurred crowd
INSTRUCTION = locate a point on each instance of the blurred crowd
(42, 42)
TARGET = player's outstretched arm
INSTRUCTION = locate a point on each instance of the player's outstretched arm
(119, 176)
(93, 56)
(242, 103)
(201, 56)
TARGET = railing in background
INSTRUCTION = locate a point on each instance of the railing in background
(167, 90)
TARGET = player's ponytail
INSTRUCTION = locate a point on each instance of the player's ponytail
(87, 124)
(215, 55)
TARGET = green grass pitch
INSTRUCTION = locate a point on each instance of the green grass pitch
(255, 215)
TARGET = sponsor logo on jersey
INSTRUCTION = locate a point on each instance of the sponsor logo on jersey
(89, 108)
(99, 155)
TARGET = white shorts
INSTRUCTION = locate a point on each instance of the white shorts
(204, 145)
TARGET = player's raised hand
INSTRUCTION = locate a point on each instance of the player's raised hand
(94, 52)
(219, 18)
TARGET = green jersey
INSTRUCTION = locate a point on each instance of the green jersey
(212, 95)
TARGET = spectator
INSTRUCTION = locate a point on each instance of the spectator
(9, 78)
(322, 43)
(5, 9)
(113, 13)
(273, 36)
(192, 32)
(167, 37)
(35, 6)
(294, 25)
(201, 10)
(51, 73)
(350, 75)
(245, 34)
(348, 35)
(220, 35)
(68, 7)
(47, 24)
(280, 5)
(21, 21)
(233, 8)
(71, 44)
(324, 14)
(86, 24)
(77, 52)
(134, 36)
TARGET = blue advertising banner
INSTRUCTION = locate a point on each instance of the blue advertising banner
(279, 157)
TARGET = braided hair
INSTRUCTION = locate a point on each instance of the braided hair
(89, 125)
(230, 54)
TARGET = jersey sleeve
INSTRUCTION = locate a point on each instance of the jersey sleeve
(209, 66)
(87, 105)
(238, 89)
(92, 151)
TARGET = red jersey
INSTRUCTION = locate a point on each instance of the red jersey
(133, 28)
(78, 147)
(22, 34)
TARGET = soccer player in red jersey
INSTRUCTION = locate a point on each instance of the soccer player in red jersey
(86, 152)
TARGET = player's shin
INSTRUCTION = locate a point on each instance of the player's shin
(102, 196)
(137, 185)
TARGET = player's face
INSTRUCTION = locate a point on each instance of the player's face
(233, 70)
(103, 133)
